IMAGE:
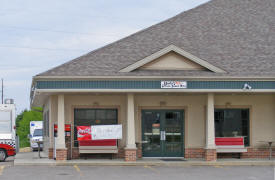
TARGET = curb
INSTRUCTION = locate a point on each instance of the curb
(191, 163)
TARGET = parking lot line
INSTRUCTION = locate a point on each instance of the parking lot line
(218, 166)
(1, 170)
(152, 169)
(78, 170)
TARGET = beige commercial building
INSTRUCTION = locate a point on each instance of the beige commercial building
(174, 87)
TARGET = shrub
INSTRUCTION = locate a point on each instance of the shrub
(23, 124)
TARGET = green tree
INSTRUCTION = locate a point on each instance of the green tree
(23, 124)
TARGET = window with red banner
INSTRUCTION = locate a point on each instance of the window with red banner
(84, 138)
(85, 118)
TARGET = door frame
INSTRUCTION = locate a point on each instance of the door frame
(182, 109)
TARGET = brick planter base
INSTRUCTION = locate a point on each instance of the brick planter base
(61, 154)
(130, 154)
(120, 153)
(50, 155)
(258, 153)
(194, 153)
(139, 153)
(210, 155)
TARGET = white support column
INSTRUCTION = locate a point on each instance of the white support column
(210, 123)
(50, 123)
(61, 122)
(131, 140)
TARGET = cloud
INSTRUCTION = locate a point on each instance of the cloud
(71, 29)
(16, 71)
(17, 83)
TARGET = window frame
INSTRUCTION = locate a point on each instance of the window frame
(90, 108)
(248, 109)
(46, 119)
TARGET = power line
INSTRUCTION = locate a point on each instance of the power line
(86, 15)
(38, 48)
(56, 31)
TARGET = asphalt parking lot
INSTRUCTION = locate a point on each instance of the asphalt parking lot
(10, 172)
(8, 162)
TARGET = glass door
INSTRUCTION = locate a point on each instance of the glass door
(151, 143)
(162, 133)
(173, 128)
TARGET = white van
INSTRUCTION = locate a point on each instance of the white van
(36, 134)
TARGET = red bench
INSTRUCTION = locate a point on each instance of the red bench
(230, 145)
(98, 146)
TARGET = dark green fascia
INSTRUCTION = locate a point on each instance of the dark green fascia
(141, 84)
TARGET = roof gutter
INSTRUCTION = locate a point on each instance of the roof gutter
(38, 91)
(210, 78)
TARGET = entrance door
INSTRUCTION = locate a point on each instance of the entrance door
(162, 133)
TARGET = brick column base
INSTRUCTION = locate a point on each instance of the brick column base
(194, 152)
(210, 155)
(50, 153)
(130, 154)
(61, 154)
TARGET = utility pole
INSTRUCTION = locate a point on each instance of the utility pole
(2, 91)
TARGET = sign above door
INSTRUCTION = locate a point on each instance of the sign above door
(174, 84)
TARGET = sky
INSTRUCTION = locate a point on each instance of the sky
(37, 35)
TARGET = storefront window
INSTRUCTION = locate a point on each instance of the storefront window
(89, 117)
(232, 123)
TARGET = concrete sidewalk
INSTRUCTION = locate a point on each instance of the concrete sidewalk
(31, 159)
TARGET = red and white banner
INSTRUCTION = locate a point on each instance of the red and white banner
(84, 133)
(106, 132)
(99, 132)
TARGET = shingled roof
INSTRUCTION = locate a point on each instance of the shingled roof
(237, 36)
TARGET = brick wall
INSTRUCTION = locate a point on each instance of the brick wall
(210, 155)
(120, 154)
(61, 154)
(194, 153)
(139, 150)
(130, 154)
(251, 153)
(139, 153)
(258, 153)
